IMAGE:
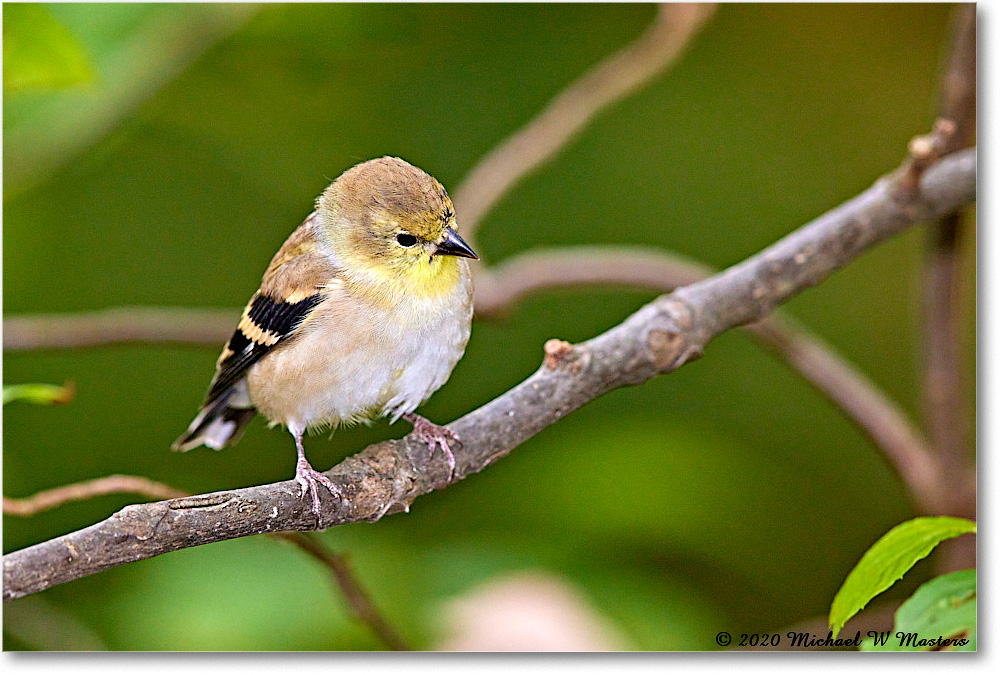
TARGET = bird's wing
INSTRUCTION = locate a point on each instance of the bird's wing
(294, 284)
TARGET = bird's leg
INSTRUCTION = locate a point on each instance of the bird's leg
(435, 436)
(307, 477)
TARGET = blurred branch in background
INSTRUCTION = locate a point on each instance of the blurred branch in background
(945, 403)
(64, 123)
(849, 389)
(387, 477)
(109, 485)
(118, 325)
(343, 576)
(354, 593)
(611, 80)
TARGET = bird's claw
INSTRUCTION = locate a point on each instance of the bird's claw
(307, 478)
(435, 436)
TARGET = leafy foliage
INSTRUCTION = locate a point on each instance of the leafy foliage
(943, 608)
(43, 394)
(39, 52)
(889, 559)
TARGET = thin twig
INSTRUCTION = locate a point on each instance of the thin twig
(119, 325)
(357, 597)
(387, 477)
(849, 389)
(109, 485)
(944, 393)
(574, 266)
(862, 402)
(958, 85)
(944, 386)
(923, 152)
(611, 80)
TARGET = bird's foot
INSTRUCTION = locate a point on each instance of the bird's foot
(435, 436)
(307, 478)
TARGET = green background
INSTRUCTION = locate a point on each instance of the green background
(726, 496)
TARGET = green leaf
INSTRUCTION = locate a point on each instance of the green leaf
(43, 394)
(942, 609)
(39, 52)
(889, 559)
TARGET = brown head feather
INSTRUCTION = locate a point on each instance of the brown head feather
(389, 193)
(386, 222)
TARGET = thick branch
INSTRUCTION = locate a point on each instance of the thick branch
(849, 389)
(340, 569)
(853, 393)
(497, 289)
(387, 477)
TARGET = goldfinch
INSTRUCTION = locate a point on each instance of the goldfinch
(363, 312)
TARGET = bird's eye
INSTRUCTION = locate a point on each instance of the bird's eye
(406, 239)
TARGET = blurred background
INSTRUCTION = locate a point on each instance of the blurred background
(160, 154)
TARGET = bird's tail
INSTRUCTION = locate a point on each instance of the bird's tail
(221, 421)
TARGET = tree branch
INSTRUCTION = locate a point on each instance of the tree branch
(506, 284)
(387, 477)
(108, 485)
(343, 576)
(119, 325)
(611, 80)
(862, 402)
(849, 389)
(944, 393)
(341, 573)
(638, 267)
(500, 288)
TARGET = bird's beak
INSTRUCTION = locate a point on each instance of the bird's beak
(454, 245)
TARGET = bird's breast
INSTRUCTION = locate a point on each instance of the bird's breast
(355, 360)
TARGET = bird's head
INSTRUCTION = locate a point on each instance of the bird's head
(389, 221)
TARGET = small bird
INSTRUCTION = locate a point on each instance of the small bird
(363, 312)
